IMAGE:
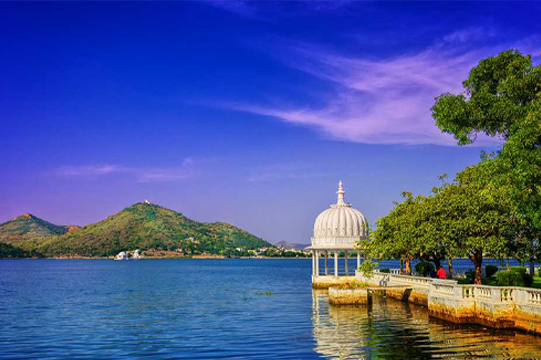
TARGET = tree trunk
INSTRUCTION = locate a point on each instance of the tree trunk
(478, 262)
(450, 263)
(437, 262)
(408, 266)
(401, 267)
(532, 268)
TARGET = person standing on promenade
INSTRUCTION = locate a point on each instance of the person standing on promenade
(441, 273)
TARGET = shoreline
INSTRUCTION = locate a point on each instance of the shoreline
(159, 258)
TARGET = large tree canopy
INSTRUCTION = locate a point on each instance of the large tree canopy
(503, 97)
(494, 207)
(496, 95)
(460, 219)
(482, 216)
(397, 234)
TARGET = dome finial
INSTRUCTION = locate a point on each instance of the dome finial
(340, 193)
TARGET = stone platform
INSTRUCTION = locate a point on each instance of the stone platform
(327, 281)
(363, 296)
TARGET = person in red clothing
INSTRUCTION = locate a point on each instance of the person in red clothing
(441, 273)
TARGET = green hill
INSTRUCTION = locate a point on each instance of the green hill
(28, 231)
(147, 226)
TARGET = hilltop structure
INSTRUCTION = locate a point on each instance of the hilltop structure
(336, 230)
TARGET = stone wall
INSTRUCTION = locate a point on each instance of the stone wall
(494, 306)
(349, 296)
(326, 281)
(414, 288)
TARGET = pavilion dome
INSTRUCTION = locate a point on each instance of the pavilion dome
(340, 226)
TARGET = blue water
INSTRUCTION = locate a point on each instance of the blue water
(214, 309)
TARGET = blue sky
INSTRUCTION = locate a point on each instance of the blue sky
(246, 112)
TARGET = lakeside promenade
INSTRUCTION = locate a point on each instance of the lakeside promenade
(493, 306)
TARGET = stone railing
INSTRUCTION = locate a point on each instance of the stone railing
(531, 297)
(414, 289)
(396, 279)
(443, 288)
(482, 292)
(497, 306)
(467, 292)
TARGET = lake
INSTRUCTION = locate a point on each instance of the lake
(216, 309)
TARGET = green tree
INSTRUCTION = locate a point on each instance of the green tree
(439, 239)
(497, 94)
(502, 97)
(476, 220)
(397, 234)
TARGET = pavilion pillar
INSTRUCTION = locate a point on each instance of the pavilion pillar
(313, 262)
(335, 263)
(346, 259)
(326, 259)
(317, 263)
(358, 260)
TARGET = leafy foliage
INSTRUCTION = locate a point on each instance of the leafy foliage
(514, 277)
(424, 268)
(8, 251)
(490, 270)
(492, 207)
(367, 268)
(503, 97)
(397, 234)
(497, 95)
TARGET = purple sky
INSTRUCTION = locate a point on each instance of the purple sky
(245, 112)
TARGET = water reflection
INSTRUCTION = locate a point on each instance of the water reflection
(392, 329)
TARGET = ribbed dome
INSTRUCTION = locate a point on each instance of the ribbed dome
(339, 227)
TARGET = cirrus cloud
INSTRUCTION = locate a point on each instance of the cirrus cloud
(381, 101)
(140, 174)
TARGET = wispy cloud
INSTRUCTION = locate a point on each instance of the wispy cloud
(382, 101)
(268, 10)
(470, 34)
(243, 8)
(183, 171)
(283, 172)
(167, 174)
(89, 170)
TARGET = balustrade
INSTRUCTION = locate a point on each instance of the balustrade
(506, 294)
(468, 292)
(446, 289)
(496, 294)
(482, 292)
(533, 296)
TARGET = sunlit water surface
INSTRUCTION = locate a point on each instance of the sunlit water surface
(214, 309)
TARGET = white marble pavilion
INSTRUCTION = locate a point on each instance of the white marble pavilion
(337, 230)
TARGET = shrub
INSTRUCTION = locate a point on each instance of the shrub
(424, 268)
(514, 277)
(469, 277)
(367, 268)
(490, 270)
(384, 270)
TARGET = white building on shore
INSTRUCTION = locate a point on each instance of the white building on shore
(122, 256)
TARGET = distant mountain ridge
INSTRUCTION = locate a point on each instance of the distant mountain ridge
(141, 226)
(27, 228)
